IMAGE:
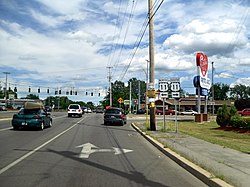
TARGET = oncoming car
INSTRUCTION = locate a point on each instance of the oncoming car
(115, 115)
(32, 115)
(74, 110)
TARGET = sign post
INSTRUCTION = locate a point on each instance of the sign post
(201, 82)
(170, 88)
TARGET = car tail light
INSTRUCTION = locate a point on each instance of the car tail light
(36, 117)
(122, 116)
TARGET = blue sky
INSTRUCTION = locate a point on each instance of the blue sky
(69, 44)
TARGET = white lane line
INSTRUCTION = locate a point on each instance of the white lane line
(6, 129)
(36, 149)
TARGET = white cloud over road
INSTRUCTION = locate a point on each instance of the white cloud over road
(70, 44)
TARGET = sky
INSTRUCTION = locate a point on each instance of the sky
(76, 45)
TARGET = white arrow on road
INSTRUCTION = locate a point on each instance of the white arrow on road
(89, 148)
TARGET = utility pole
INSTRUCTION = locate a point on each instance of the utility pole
(110, 87)
(151, 59)
(139, 94)
(213, 86)
(6, 83)
(130, 97)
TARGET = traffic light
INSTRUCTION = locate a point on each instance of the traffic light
(67, 92)
(56, 92)
(38, 90)
(99, 94)
(29, 89)
(71, 92)
(15, 89)
(48, 90)
(86, 93)
(60, 92)
(91, 93)
(75, 92)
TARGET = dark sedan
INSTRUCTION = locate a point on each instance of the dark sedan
(115, 115)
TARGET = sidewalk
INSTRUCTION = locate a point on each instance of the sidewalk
(217, 162)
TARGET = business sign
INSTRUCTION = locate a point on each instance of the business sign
(202, 68)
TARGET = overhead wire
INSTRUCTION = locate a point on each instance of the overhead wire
(140, 39)
(125, 36)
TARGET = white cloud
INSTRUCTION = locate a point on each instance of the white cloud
(72, 41)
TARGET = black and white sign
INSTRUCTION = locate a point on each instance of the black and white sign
(169, 88)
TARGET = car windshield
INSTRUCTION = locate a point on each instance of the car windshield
(73, 107)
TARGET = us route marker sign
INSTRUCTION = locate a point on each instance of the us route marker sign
(89, 148)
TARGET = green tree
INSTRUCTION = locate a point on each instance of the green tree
(220, 91)
(240, 92)
(31, 96)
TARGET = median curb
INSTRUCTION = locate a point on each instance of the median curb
(194, 169)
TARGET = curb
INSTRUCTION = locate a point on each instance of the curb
(194, 169)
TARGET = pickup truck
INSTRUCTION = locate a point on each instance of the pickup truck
(244, 112)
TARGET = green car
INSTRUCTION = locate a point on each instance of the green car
(32, 117)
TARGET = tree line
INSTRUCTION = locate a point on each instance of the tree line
(240, 93)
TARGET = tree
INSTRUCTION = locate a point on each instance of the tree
(240, 92)
(220, 91)
(120, 90)
(31, 96)
(242, 103)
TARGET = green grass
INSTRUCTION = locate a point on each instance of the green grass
(210, 131)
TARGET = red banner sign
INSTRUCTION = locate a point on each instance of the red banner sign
(202, 61)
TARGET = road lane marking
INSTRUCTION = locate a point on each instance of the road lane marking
(6, 129)
(89, 148)
(36, 149)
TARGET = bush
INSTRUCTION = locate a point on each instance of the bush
(223, 117)
(239, 122)
(225, 114)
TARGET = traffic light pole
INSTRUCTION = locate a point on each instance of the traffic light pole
(151, 59)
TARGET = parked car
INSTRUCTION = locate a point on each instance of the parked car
(142, 111)
(167, 112)
(115, 115)
(3, 108)
(74, 110)
(244, 112)
(32, 115)
(188, 112)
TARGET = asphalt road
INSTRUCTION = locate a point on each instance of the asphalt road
(84, 152)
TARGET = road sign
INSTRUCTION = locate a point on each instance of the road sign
(120, 100)
(126, 102)
(151, 86)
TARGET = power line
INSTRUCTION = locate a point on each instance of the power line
(141, 37)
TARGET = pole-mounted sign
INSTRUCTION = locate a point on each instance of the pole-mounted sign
(201, 80)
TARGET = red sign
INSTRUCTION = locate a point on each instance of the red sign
(202, 61)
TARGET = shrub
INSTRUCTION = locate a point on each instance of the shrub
(223, 117)
(239, 122)
(247, 123)
(235, 120)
